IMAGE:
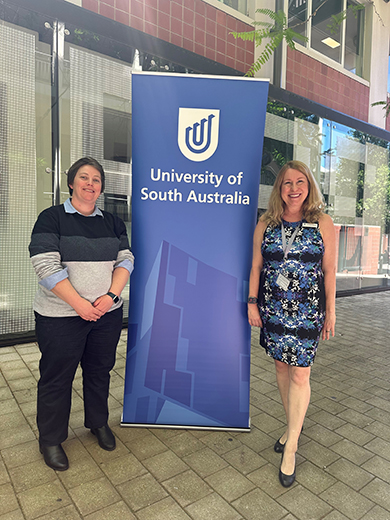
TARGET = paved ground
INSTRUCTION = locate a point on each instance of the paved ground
(344, 455)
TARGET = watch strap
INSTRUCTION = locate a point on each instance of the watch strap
(113, 296)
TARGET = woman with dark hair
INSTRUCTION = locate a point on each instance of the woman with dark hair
(292, 293)
(82, 259)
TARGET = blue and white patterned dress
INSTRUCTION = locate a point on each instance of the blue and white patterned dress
(293, 318)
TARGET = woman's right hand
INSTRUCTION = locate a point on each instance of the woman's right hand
(254, 278)
(254, 315)
(87, 311)
(83, 307)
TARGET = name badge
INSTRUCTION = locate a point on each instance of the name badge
(310, 225)
(282, 281)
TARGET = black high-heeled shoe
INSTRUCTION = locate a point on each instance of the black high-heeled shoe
(286, 480)
(279, 447)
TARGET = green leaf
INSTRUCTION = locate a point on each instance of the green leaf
(246, 36)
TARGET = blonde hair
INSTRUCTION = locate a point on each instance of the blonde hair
(313, 206)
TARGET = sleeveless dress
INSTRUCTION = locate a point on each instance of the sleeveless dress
(292, 317)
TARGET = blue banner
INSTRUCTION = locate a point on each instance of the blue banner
(197, 148)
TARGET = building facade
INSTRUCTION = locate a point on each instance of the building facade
(65, 92)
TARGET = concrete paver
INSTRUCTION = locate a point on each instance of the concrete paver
(343, 462)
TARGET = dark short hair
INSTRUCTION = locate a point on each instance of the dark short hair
(82, 162)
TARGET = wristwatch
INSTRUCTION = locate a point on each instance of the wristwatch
(114, 297)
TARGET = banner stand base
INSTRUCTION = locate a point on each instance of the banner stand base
(181, 427)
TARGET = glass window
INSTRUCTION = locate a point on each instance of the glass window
(322, 39)
(150, 62)
(238, 5)
(297, 16)
(117, 205)
(353, 48)
(116, 129)
(340, 41)
(352, 170)
(23, 156)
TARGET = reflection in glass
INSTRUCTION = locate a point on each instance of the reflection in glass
(152, 63)
(322, 39)
(297, 16)
(43, 125)
(353, 172)
(353, 48)
(117, 205)
(376, 204)
(117, 129)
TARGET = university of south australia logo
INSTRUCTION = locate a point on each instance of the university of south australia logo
(198, 133)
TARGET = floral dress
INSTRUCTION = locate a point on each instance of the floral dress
(292, 316)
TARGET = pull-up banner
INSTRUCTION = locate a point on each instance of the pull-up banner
(197, 148)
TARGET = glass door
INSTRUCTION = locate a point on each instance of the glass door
(375, 264)
(343, 164)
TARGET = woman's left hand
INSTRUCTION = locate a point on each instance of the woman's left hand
(103, 303)
(329, 325)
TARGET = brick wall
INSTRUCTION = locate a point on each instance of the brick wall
(190, 24)
(314, 80)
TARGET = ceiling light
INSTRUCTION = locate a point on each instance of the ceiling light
(330, 42)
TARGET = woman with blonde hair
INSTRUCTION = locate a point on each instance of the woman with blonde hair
(292, 291)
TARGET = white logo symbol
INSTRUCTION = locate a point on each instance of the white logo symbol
(198, 133)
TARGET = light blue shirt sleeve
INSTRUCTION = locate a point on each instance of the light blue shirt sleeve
(51, 281)
(127, 265)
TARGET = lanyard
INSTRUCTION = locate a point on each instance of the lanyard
(287, 247)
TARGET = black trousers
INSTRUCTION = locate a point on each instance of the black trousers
(64, 343)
